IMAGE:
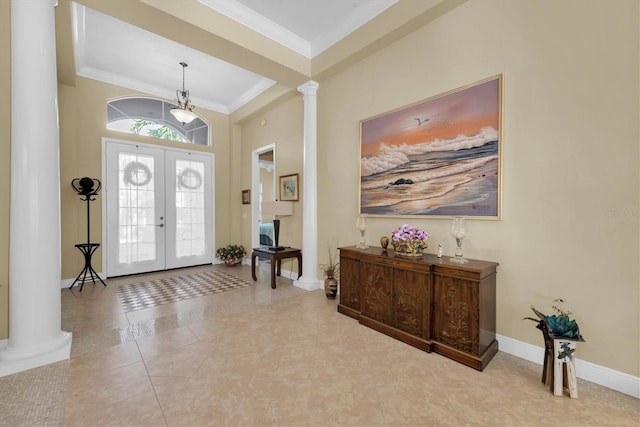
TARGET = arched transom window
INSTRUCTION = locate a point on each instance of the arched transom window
(148, 116)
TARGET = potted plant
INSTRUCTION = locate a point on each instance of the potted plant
(331, 270)
(231, 254)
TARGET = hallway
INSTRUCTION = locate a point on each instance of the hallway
(257, 356)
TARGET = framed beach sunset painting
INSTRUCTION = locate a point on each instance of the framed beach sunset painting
(440, 157)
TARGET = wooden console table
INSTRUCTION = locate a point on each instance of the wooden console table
(276, 258)
(427, 302)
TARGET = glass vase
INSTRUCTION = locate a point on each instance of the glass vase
(458, 231)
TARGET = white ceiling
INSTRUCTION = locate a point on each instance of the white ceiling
(306, 26)
(116, 52)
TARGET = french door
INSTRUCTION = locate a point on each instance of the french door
(159, 208)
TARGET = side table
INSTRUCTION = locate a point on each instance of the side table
(276, 258)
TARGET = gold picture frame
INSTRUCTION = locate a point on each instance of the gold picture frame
(439, 158)
(246, 197)
(289, 190)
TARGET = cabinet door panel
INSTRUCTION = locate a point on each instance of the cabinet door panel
(376, 283)
(456, 316)
(410, 291)
(349, 286)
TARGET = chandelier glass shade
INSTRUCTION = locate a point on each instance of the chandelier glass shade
(184, 112)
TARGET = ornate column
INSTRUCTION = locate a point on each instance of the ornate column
(35, 337)
(309, 279)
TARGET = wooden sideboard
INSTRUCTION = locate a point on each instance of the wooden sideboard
(427, 302)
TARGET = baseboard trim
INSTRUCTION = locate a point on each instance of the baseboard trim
(601, 375)
(308, 285)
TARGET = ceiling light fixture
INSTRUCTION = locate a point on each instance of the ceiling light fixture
(184, 113)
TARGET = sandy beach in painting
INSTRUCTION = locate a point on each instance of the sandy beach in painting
(454, 177)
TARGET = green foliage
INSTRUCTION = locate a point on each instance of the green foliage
(332, 268)
(232, 252)
(155, 129)
(558, 325)
(562, 326)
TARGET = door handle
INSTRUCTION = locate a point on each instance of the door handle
(160, 225)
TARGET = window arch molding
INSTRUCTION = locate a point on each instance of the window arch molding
(151, 116)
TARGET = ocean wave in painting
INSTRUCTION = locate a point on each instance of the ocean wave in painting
(457, 176)
(391, 156)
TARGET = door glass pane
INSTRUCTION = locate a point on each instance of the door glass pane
(136, 213)
(190, 237)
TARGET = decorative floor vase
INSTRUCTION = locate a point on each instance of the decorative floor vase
(330, 287)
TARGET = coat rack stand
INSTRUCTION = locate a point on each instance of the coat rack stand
(87, 188)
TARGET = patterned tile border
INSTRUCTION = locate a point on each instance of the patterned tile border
(138, 296)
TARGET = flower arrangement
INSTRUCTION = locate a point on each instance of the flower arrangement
(231, 254)
(558, 325)
(409, 240)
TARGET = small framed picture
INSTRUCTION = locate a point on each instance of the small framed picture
(289, 187)
(246, 197)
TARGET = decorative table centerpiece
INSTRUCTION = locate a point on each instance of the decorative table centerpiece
(409, 241)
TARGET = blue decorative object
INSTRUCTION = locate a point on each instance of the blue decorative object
(560, 326)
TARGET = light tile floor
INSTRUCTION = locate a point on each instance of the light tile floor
(258, 356)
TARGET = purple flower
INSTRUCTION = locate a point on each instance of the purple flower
(406, 233)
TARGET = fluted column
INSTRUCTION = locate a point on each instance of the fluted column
(35, 335)
(309, 279)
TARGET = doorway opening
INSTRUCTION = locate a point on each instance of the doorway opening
(157, 208)
(263, 188)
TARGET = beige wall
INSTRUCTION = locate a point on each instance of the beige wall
(82, 127)
(570, 156)
(284, 127)
(5, 164)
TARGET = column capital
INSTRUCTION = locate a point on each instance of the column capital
(309, 88)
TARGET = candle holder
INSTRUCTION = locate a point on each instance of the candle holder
(361, 224)
(458, 231)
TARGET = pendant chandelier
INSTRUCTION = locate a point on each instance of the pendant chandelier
(184, 113)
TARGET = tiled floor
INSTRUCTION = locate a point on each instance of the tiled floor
(258, 356)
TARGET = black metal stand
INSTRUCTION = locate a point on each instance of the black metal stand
(85, 188)
(87, 250)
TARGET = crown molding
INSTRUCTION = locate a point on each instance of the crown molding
(249, 18)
